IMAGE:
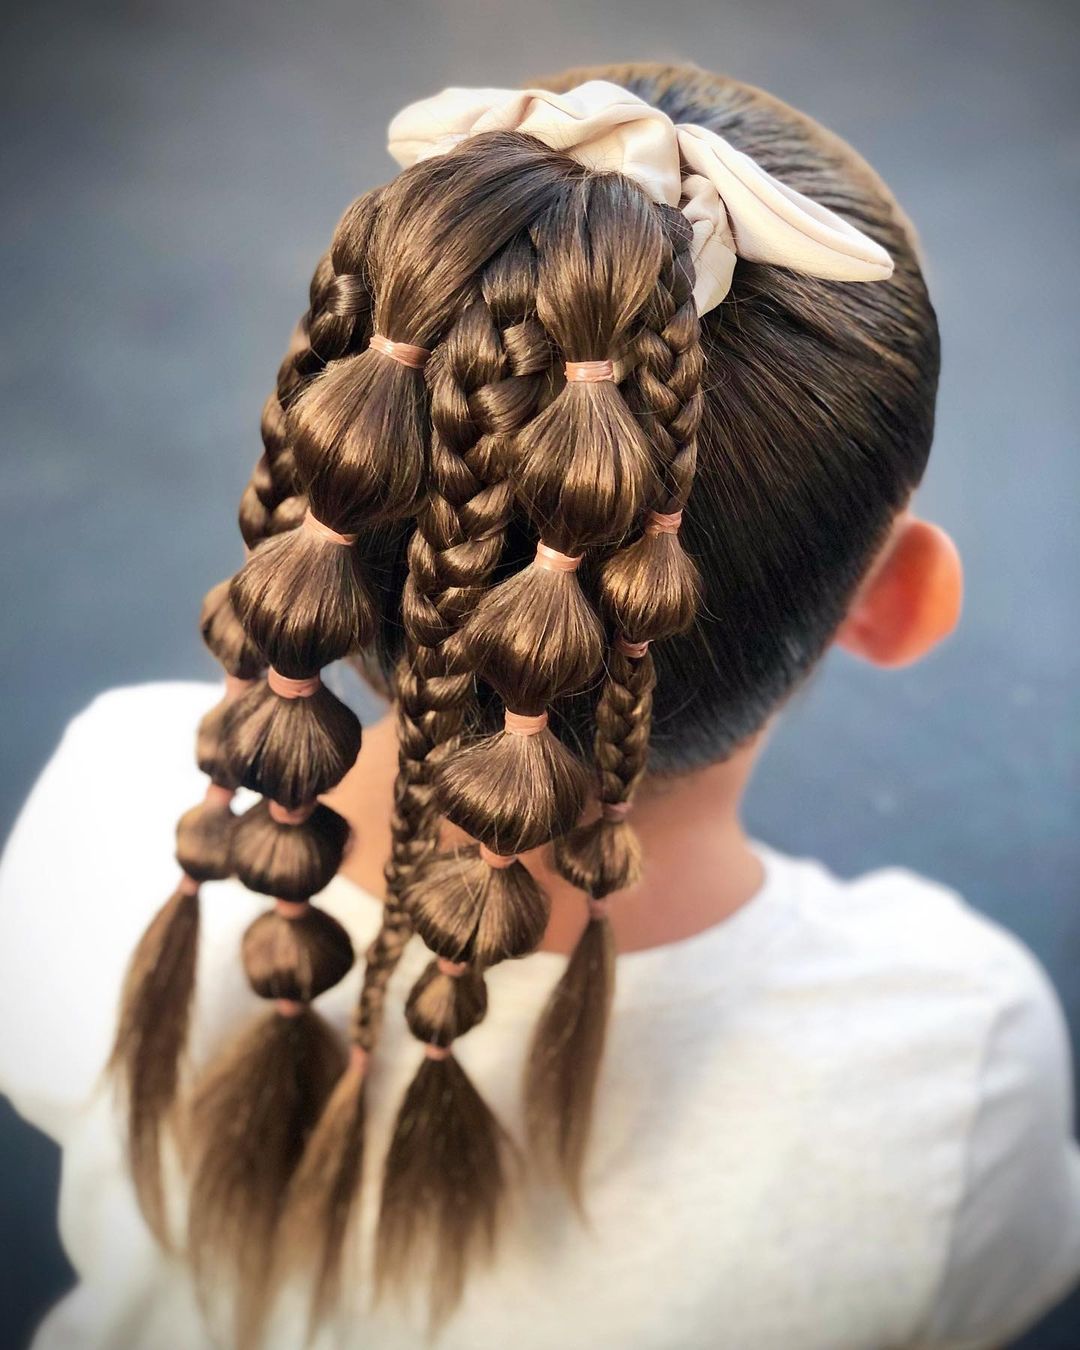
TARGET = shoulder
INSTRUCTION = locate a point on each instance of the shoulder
(970, 1023)
(118, 719)
(894, 921)
(126, 736)
(917, 966)
(88, 860)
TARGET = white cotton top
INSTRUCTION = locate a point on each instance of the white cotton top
(839, 1120)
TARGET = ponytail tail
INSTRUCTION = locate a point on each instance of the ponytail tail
(442, 1188)
(567, 1049)
(324, 1193)
(151, 1038)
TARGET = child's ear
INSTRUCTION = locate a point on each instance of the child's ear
(911, 599)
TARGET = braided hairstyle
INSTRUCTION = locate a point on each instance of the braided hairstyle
(364, 459)
(478, 466)
(649, 591)
(156, 999)
(584, 472)
(485, 380)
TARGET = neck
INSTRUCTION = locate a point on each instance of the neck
(699, 868)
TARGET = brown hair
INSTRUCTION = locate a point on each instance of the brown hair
(565, 583)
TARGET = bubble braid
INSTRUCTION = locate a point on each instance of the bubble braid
(155, 1004)
(211, 842)
(649, 591)
(582, 472)
(361, 447)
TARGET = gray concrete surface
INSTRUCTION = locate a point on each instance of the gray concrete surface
(173, 170)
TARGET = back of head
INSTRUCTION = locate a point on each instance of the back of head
(585, 531)
(819, 413)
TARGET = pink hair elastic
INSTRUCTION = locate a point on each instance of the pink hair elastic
(499, 861)
(656, 522)
(437, 1052)
(285, 687)
(634, 650)
(523, 724)
(289, 1007)
(455, 969)
(589, 372)
(216, 795)
(283, 816)
(358, 1058)
(405, 353)
(315, 526)
(187, 885)
(598, 909)
(236, 688)
(615, 810)
(291, 909)
(551, 560)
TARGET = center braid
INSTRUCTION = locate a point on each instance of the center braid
(485, 377)
(581, 473)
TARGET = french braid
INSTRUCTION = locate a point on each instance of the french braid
(484, 379)
(487, 380)
(338, 318)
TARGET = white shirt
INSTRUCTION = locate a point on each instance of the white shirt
(839, 1120)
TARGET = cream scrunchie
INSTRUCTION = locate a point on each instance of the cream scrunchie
(736, 209)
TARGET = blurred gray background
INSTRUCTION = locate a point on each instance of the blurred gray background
(173, 171)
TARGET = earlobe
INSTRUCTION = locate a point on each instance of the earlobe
(911, 600)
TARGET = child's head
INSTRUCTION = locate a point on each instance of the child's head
(707, 498)
(818, 396)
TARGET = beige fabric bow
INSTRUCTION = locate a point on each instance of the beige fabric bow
(736, 209)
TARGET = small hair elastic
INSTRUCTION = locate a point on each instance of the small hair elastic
(291, 909)
(525, 724)
(187, 885)
(437, 1052)
(358, 1058)
(549, 559)
(656, 522)
(455, 969)
(499, 861)
(405, 353)
(634, 650)
(289, 1007)
(216, 795)
(615, 810)
(589, 372)
(284, 687)
(236, 688)
(315, 526)
(283, 816)
(598, 909)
